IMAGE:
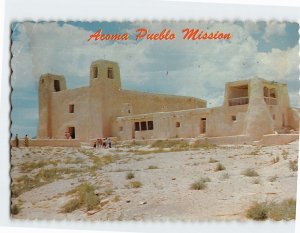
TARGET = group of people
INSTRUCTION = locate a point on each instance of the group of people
(102, 143)
(26, 141)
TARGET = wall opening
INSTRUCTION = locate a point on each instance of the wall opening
(121, 128)
(233, 118)
(150, 125)
(95, 72)
(143, 125)
(56, 85)
(72, 132)
(71, 108)
(137, 126)
(203, 125)
(110, 73)
(177, 124)
(238, 95)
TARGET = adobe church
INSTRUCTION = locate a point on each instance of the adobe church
(252, 109)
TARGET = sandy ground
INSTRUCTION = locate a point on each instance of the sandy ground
(165, 193)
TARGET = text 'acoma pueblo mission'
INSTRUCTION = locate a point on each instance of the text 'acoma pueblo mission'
(253, 111)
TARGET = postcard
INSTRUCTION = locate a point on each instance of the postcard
(154, 120)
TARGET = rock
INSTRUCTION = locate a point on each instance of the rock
(104, 202)
(97, 192)
(143, 202)
(127, 201)
(173, 178)
(92, 212)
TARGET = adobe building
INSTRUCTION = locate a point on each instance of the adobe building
(252, 110)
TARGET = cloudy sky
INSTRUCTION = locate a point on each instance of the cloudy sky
(191, 68)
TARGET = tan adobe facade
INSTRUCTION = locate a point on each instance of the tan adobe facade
(252, 108)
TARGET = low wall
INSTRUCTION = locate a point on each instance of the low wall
(227, 140)
(48, 142)
(278, 139)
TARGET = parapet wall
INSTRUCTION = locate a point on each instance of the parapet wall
(48, 142)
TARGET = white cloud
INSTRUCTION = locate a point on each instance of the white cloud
(274, 28)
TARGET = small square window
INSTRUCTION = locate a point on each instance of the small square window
(137, 126)
(110, 73)
(150, 125)
(233, 118)
(71, 108)
(143, 125)
(95, 72)
(177, 124)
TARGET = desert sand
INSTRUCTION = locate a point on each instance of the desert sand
(43, 177)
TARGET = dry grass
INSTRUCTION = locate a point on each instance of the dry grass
(152, 167)
(250, 172)
(293, 165)
(285, 210)
(200, 184)
(30, 166)
(15, 209)
(44, 176)
(220, 167)
(85, 197)
(129, 175)
(174, 145)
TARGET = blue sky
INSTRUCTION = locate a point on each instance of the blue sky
(192, 68)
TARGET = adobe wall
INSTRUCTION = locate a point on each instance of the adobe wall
(62, 119)
(48, 142)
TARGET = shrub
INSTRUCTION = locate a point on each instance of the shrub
(85, 197)
(250, 172)
(293, 165)
(258, 211)
(71, 205)
(152, 167)
(220, 167)
(285, 210)
(198, 185)
(14, 209)
(130, 175)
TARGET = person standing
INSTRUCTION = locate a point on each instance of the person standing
(26, 140)
(17, 140)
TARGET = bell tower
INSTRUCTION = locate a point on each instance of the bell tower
(105, 73)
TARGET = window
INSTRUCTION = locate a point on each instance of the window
(233, 118)
(177, 124)
(273, 93)
(150, 125)
(71, 108)
(110, 73)
(95, 72)
(137, 126)
(56, 85)
(274, 117)
(143, 125)
(72, 132)
(121, 128)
